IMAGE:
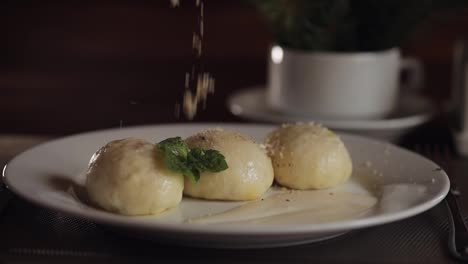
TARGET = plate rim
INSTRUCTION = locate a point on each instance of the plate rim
(357, 124)
(103, 217)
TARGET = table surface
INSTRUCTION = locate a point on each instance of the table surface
(33, 234)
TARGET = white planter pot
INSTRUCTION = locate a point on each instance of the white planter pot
(334, 85)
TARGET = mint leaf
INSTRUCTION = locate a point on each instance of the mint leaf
(177, 163)
(207, 160)
(194, 176)
(174, 152)
(194, 159)
(190, 163)
(176, 145)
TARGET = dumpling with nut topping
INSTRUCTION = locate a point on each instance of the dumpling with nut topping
(129, 177)
(308, 156)
(249, 173)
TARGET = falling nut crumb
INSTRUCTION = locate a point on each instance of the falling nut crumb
(367, 164)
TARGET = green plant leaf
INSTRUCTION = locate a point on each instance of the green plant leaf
(190, 163)
(347, 25)
(207, 160)
(176, 145)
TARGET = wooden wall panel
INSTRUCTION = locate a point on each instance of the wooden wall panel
(72, 66)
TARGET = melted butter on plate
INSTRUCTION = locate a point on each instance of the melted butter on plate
(300, 207)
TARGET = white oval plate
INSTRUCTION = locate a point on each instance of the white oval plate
(51, 175)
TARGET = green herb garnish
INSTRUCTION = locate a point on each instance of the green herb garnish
(190, 162)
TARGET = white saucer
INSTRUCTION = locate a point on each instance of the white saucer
(412, 111)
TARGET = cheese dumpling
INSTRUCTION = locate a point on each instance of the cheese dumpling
(249, 173)
(308, 156)
(128, 177)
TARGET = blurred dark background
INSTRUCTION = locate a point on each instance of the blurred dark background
(73, 66)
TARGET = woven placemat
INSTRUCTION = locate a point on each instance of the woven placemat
(33, 234)
(28, 231)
